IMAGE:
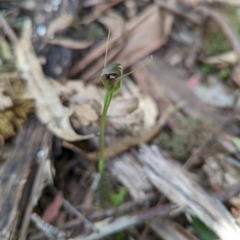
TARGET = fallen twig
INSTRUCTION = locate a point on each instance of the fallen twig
(71, 209)
(108, 228)
(126, 207)
(49, 230)
(8, 30)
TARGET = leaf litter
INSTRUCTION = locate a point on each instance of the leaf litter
(143, 108)
(49, 109)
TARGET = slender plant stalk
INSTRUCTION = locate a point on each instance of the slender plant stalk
(111, 78)
(107, 101)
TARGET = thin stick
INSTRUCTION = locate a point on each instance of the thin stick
(140, 67)
(108, 37)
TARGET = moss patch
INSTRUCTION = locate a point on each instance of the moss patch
(215, 41)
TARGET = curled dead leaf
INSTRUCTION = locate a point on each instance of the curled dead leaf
(122, 106)
(49, 108)
(87, 113)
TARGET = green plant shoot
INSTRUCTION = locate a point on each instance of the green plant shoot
(111, 76)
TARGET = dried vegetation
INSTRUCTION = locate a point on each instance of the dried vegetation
(172, 138)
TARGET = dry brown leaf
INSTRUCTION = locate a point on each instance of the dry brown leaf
(132, 122)
(59, 24)
(131, 7)
(116, 24)
(98, 10)
(121, 106)
(144, 35)
(120, 145)
(52, 209)
(49, 108)
(69, 43)
(132, 110)
(129, 109)
(88, 112)
(168, 20)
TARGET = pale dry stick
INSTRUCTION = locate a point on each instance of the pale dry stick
(70, 208)
(8, 30)
(127, 221)
(75, 212)
(222, 195)
(103, 214)
(49, 230)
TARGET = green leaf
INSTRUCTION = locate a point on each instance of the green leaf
(204, 232)
(236, 141)
(118, 198)
(206, 68)
(223, 74)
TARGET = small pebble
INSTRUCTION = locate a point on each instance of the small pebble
(41, 30)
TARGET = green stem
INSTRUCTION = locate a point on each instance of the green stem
(107, 101)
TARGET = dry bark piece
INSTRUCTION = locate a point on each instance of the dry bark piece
(42, 175)
(171, 179)
(49, 108)
(169, 230)
(14, 173)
